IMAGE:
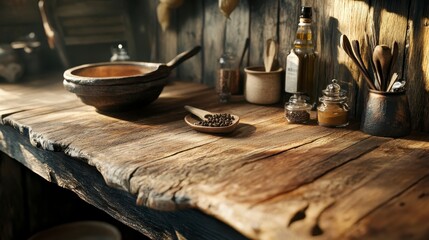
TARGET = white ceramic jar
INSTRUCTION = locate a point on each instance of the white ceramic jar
(262, 87)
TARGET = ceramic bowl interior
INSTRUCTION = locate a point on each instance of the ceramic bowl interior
(116, 73)
(107, 71)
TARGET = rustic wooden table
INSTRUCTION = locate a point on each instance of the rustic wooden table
(266, 180)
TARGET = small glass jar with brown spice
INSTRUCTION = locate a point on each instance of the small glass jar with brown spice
(228, 82)
(333, 109)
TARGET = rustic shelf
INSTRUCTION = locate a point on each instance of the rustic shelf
(266, 180)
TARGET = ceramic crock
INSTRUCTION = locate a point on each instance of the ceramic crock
(386, 114)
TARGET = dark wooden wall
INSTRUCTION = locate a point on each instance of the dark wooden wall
(17, 18)
(201, 23)
(20, 17)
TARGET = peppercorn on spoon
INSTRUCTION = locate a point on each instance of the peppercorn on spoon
(199, 115)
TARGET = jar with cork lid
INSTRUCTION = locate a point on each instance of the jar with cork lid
(333, 109)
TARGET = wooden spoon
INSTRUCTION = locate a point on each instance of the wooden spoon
(370, 51)
(379, 73)
(270, 53)
(395, 52)
(358, 56)
(202, 115)
(382, 57)
(346, 46)
(392, 81)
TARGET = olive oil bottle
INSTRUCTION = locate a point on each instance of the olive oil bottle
(301, 62)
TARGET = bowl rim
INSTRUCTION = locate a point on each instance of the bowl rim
(112, 90)
(158, 71)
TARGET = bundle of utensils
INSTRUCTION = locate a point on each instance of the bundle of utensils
(382, 59)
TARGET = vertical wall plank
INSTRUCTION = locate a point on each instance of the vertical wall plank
(417, 64)
(389, 15)
(236, 32)
(190, 34)
(167, 40)
(334, 18)
(213, 32)
(222, 34)
(145, 24)
(263, 26)
(237, 29)
(288, 23)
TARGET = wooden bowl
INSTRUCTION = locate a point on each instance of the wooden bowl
(118, 86)
(111, 87)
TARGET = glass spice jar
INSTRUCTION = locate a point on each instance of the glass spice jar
(333, 109)
(228, 77)
(297, 110)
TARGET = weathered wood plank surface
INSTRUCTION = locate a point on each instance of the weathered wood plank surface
(89, 185)
(268, 179)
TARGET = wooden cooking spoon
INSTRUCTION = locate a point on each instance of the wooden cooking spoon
(382, 57)
(348, 49)
(270, 54)
(202, 115)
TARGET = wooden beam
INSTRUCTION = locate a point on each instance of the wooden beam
(90, 186)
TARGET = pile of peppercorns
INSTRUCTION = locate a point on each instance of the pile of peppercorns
(297, 116)
(217, 120)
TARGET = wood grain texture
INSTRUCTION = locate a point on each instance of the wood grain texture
(331, 19)
(213, 39)
(416, 64)
(237, 29)
(267, 180)
(92, 27)
(263, 26)
(387, 15)
(190, 29)
(73, 175)
(145, 24)
(288, 23)
(166, 41)
(415, 197)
